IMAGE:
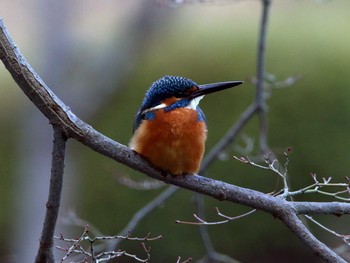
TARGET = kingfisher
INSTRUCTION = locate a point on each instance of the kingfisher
(170, 128)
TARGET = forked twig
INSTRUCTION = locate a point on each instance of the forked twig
(201, 221)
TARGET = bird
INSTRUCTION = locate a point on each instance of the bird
(170, 129)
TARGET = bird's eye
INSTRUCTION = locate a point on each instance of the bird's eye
(186, 93)
(183, 94)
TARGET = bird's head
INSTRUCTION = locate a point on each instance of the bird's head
(171, 92)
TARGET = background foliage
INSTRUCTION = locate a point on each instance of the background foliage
(101, 53)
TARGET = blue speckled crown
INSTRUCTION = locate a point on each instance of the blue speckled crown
(162, 89)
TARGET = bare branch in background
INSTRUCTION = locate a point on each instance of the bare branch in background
(144, 211)
(261, 64)
(77, 246)
(139, 184)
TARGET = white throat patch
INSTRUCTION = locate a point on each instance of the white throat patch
(194, 103)
(158, 107)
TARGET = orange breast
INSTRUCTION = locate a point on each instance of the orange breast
(173, 141)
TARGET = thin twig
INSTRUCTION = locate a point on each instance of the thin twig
(276, 167)
(202, 222)
(203, 230)
(76, 247)
(345, 238)
(186, 261)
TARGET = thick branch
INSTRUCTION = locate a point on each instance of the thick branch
(292, 221)
(61, 116)
(45, 253)
(324, 208)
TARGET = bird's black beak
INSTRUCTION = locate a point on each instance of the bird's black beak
(214, 87)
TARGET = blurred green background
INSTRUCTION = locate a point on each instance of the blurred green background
(100, 57)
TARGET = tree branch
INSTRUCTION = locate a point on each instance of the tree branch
(260, 98)
(61, 116)
(324, 208)
(45, 253)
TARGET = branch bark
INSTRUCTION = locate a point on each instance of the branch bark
(72, 127)
(45, 253)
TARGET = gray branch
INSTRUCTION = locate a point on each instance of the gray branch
(45, 253)
(61, 116)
